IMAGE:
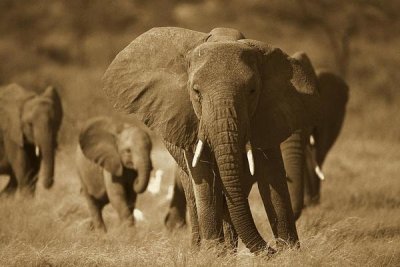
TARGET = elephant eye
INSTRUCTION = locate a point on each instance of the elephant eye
(196, 88)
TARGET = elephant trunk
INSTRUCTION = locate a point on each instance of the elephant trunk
(46, 146)
(143, 166)
(228, 147)
(293, 158)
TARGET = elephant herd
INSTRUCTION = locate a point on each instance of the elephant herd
(231, 111)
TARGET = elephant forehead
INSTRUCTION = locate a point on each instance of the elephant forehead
(231, 60)
(132, 136)
(39, 108)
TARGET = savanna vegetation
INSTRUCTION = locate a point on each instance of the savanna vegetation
(70, 44)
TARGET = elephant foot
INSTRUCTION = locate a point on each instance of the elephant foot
(97, 227)
(215, 246)
(128, 222)
(8, 192)
(48, 183)
(311, 201)
(174, 220)
(10, 189)
(267, 253)
(284, 245)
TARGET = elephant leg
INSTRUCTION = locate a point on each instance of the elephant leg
(116, 192)
(23, 167)
(11, 186)
(176, 216)
(178, 154)
(191, 206)
(131, 198)
(293, 159)
(95, 209)
(274, 192)
(209, 198)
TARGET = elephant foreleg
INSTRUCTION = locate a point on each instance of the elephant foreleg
(118, 197)
(209, 198)
(176, 216)
(11, 186)
(178, 154)
(23, 166)
(274, 192)
(191, 205)
(95, 208)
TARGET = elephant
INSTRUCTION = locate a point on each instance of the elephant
(304, 170)
(302, 160)
(29, 124)
(216, 99)
(114, 165)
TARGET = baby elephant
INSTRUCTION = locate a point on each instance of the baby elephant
(114, 165)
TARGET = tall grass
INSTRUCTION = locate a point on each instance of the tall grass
(70, 45)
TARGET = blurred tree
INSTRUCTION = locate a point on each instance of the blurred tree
(342, 20)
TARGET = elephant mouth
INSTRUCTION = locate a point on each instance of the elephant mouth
(248, 149)
(129, 165)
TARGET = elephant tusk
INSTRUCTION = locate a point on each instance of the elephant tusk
(312, 140)
(319, 173)
(250, 157)
(138, 215)
(37, 151)
(155, 183)
(197, 153)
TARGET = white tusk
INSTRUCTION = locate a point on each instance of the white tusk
(250, 158)
(319, 173)
(197, 153)
(37, 151)
(155, 183)
(138, 215)
(312, 140)
(170, 192)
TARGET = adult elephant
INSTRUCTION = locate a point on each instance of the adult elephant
(303, 152)
(304, 176)
(29, 124)
(114, 165)
(230, 94)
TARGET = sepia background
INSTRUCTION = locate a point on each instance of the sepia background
(71, 43)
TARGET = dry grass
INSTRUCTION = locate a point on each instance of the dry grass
(357, 223)
(358, 220)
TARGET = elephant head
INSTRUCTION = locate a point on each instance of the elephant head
(117, 146)
(32, 122)
(219, 89)
(334, 95)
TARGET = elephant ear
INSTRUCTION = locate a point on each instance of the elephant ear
(97, 142)
(305, 61)
(224, 34)
(12, 100)
(149, 79)
(288, 99)
(52, 94)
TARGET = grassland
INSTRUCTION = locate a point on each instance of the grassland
(356, 224)
(358, 220)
